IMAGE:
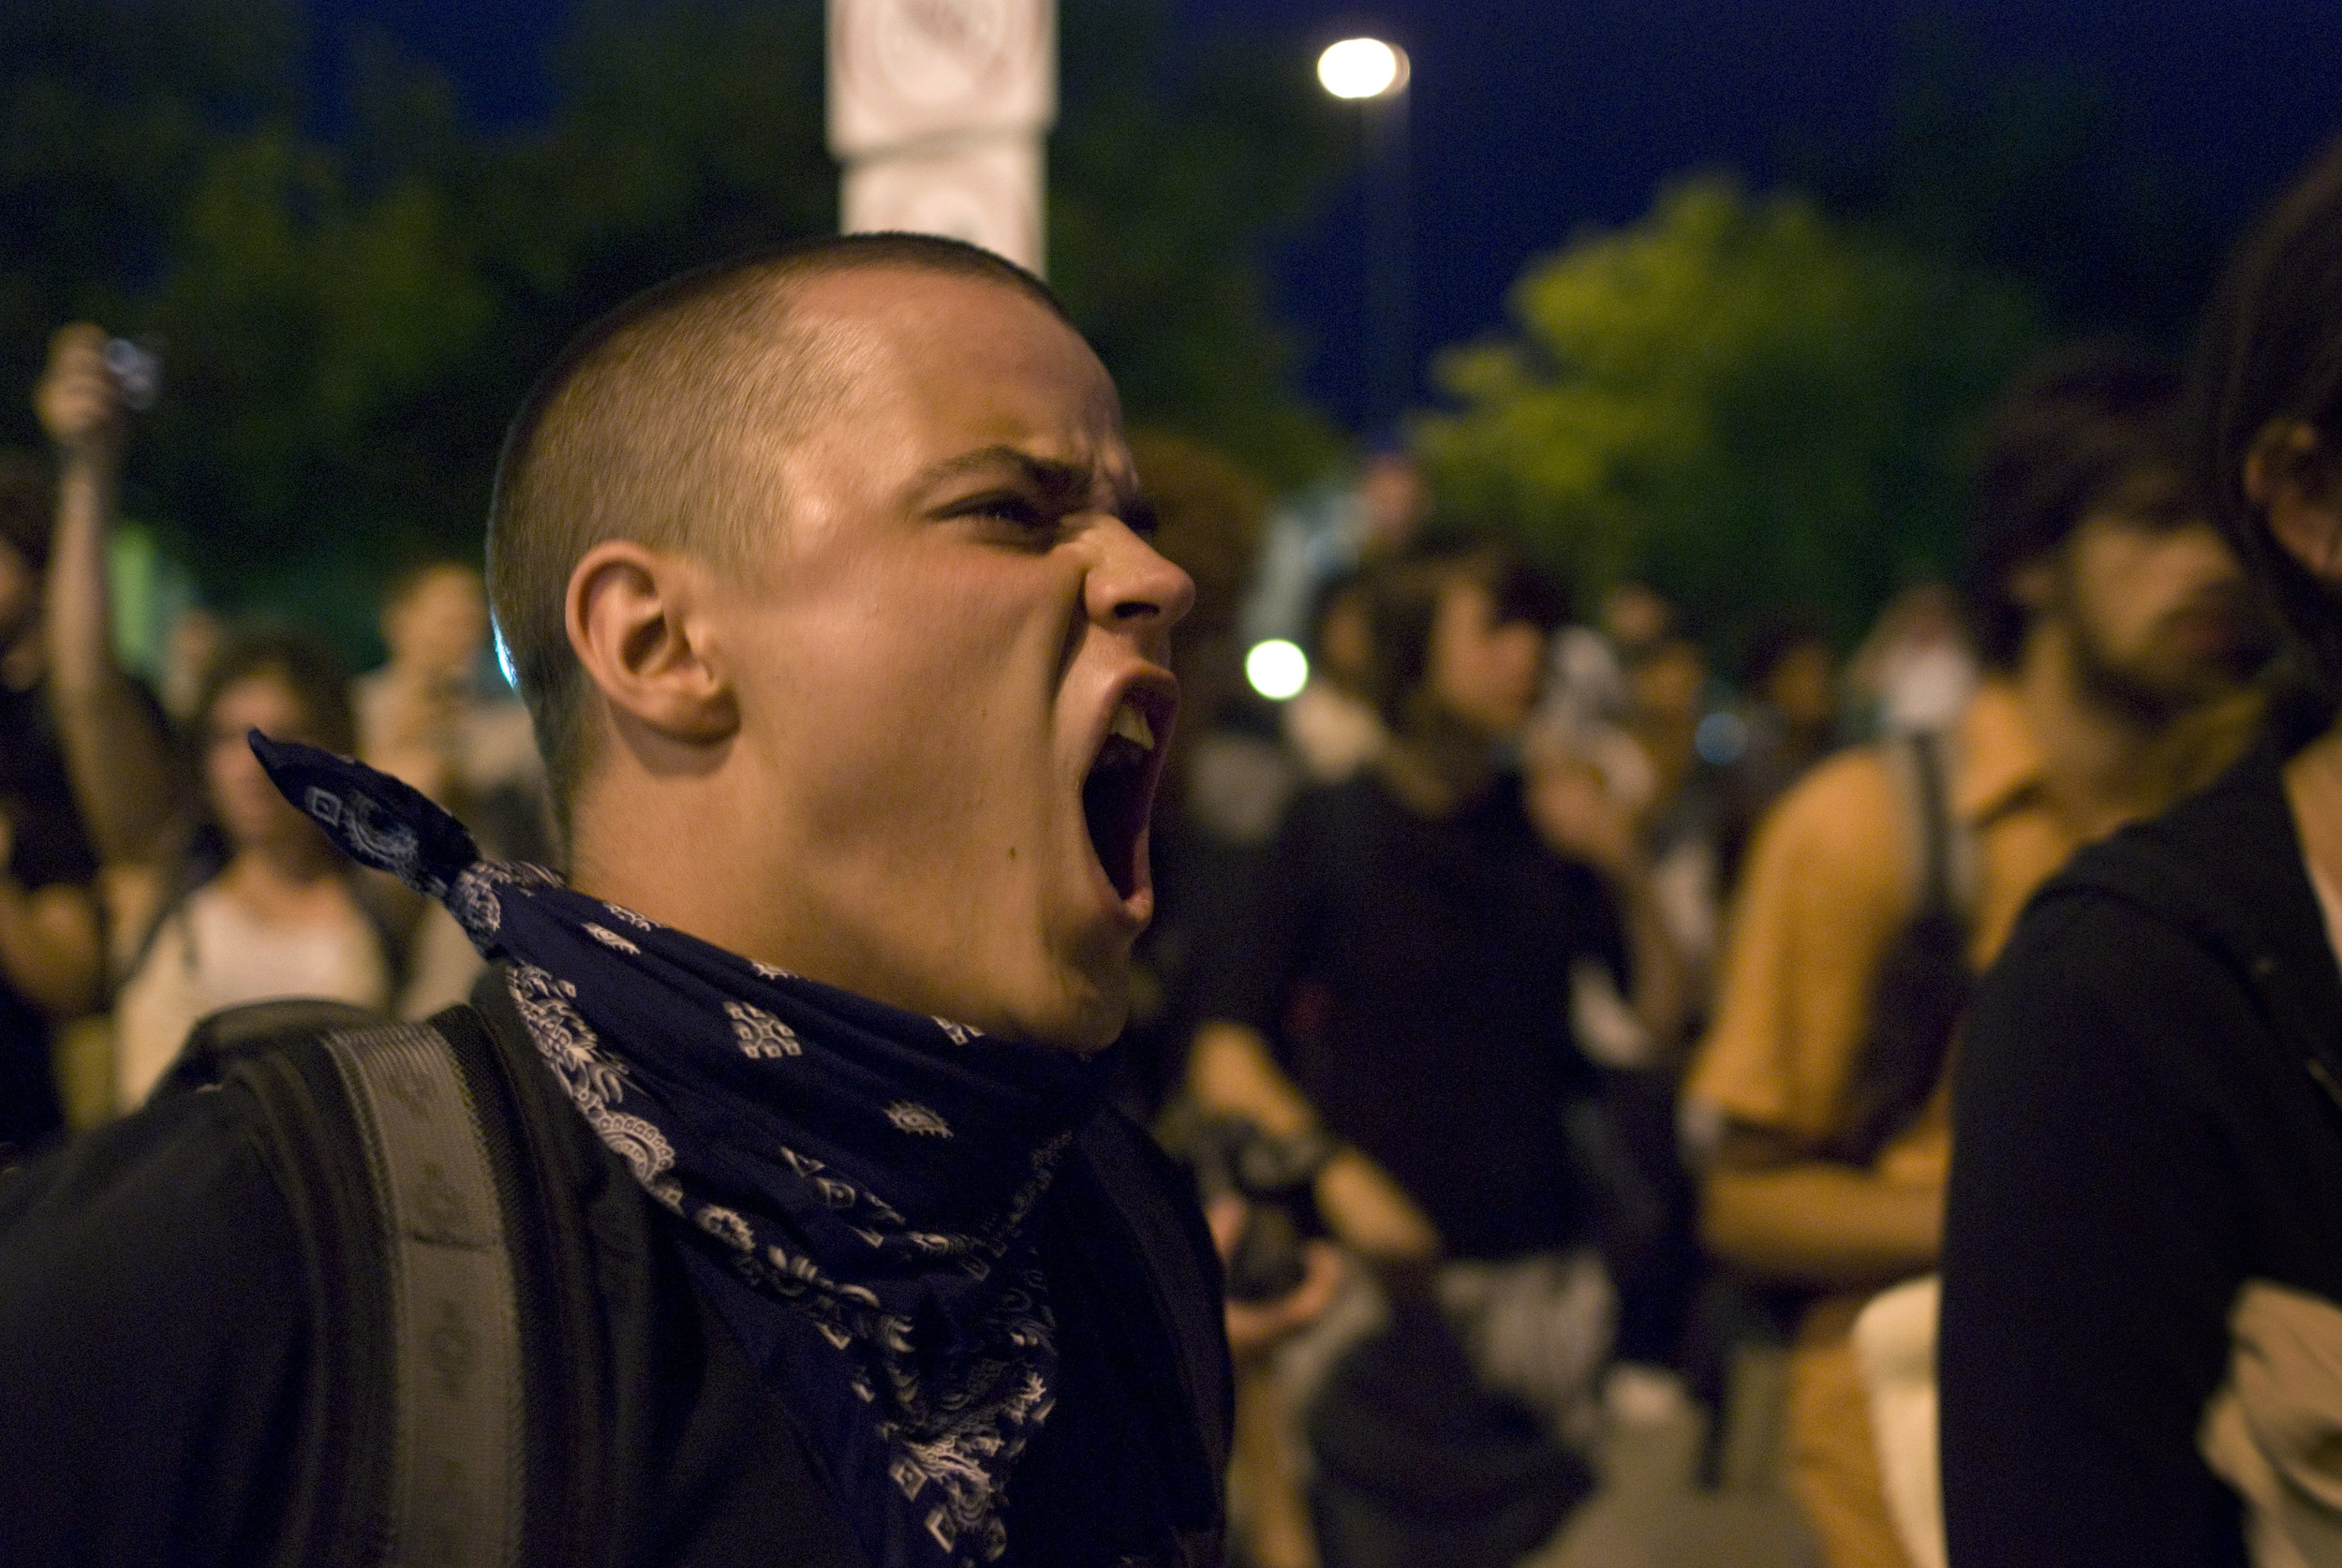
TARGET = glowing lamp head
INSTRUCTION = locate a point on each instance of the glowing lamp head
(1363, 68)
(1276, 669)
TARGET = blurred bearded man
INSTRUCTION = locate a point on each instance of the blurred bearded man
(827, 585)
(2116, 633)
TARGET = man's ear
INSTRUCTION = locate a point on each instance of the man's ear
(630, 617)
(2286, 477)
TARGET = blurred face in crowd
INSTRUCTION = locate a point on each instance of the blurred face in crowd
(247, 806)
(2155, 603)
(2292, 476)
(1485, 672)
(1395, 500)
(1634, 617)
(440, 624)
(951, 672)
(1799, 687)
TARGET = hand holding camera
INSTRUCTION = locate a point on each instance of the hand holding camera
(91, 386)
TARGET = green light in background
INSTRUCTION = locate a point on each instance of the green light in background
(1277, 669)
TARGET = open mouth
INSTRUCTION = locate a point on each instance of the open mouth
(1119, 792)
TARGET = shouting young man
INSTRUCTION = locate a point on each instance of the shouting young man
(826, 582)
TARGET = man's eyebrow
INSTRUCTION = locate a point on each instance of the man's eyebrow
(1064, 483)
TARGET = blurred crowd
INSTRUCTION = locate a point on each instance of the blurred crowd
(1558, 1014)
(155, 874)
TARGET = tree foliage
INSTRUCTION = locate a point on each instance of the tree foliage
(1735, 398)
(353, 295)
(1177, 156)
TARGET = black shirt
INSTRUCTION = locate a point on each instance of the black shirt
(1415, 974)
(2139, 1134)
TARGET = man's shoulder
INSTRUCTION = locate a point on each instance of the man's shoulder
(161, 1234)
(153, 1328)
(2150, 935)
(1848, 794)
(2223, 870)
(1840, 828)
(179, 1178)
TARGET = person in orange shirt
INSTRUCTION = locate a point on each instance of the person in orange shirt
(2115, 629)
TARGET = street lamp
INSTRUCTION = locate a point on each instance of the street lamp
(1363, 68)
(1373, 75)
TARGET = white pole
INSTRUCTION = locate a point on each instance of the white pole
(938, 110)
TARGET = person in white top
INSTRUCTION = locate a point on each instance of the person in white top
(219, 896)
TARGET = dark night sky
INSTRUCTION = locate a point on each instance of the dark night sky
(1529, 118)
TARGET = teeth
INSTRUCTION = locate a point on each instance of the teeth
(1132, 726)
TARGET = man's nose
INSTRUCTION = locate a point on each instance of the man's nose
(1132, 585)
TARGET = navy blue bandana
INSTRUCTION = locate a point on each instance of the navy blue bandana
(870, 1169)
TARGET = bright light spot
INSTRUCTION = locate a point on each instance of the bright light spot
(1277, 669)
(1363, 68)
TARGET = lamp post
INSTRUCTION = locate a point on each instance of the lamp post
(1373, 74)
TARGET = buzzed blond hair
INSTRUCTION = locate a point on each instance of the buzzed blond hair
(662, 424)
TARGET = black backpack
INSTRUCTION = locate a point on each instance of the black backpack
(462, 1369)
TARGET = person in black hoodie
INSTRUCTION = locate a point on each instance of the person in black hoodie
(2143, 1251)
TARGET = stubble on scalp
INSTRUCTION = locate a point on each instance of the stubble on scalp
(670, 431)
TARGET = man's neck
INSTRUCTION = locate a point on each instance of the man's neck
(1438, 767)
(2104, 764)
(282, 880)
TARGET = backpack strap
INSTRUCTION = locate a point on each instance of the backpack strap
(1921, 764)
(458, 1470)
(1920, 990)
(414, 1447)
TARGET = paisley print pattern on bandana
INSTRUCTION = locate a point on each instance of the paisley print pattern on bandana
(759, 1033)
(862, 1222)
(909, 1117)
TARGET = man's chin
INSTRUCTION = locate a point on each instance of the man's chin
(1086, 1016)
(1091, 1030)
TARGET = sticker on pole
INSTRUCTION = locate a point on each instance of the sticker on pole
(906, 71)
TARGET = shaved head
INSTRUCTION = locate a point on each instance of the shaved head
(665, 423)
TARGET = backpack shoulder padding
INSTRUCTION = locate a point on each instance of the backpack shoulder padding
(378, 1135)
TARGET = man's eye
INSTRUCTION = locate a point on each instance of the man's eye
(1021, 510)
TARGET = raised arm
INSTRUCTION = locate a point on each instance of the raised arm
(1575, 814)
(120, 760)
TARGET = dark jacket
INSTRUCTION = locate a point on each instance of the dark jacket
(2147, 1119)
(157, 1351)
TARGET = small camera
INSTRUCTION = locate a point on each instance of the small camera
(137, 370)
(1275, 1178)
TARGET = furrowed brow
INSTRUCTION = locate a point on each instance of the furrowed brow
(1064, 484)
